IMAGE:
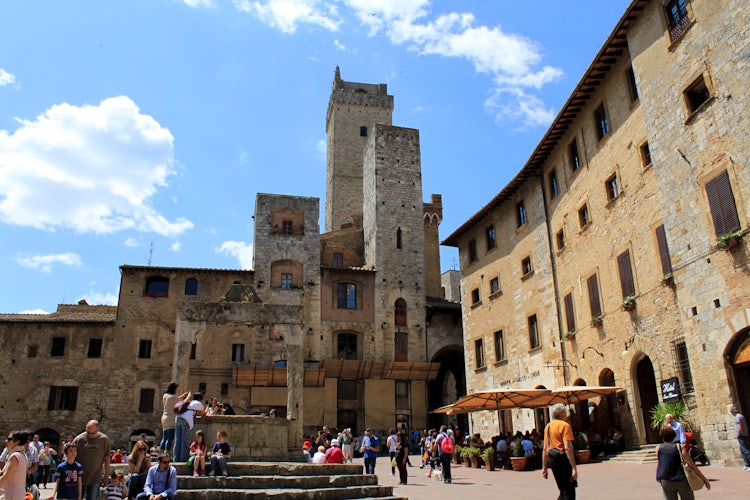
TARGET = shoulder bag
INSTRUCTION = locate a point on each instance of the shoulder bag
(693, 479)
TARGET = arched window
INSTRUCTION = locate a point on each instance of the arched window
(191, 287)
(157, 286)
(399, 241)
(400, 312)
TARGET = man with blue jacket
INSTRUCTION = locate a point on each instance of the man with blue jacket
(161, 481)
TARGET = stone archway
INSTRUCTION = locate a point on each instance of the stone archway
(648, 396)
(738, 365)
(449, 385)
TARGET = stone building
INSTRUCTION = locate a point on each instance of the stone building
(347, 328)
(616, 255)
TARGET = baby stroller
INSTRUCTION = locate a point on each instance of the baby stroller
(695, 452)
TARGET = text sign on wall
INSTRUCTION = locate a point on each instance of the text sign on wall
(670, 390)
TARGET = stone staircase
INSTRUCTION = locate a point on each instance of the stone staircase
(646, 454)
(282, 481)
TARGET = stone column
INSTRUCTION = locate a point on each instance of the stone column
(185, 333)
(295, 378)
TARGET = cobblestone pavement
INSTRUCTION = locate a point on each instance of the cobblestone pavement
(608, 480)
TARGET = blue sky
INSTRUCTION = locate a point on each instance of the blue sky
(142, 130)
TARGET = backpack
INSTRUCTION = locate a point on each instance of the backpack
(375, 444)
(446, 445)
(181, 407)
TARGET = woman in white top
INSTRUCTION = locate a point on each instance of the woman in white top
(169, 399)
(13, 478)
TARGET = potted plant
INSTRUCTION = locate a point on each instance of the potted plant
(582, 452)
(597, 320)
(729, 240)
(677, 409)
(466, 455)
(488, 455)
(668, 279)
(628, 303)
(457, 454)
(518, 457)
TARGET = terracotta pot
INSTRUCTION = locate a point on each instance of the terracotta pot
(518, 463)
(490, 464)
(583, 456)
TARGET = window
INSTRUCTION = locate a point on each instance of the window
(570, 315)
(157, 286)
(224, 389)
(612, 185)
(472, 250)
(632, 87)
(191, 287)
(645, 154)
(400, 312)
(144, 349)
(33, 351)
(661, 241)
(560, 238)
(346, 295)
(338, 259)
(494, 285)
(95, 348)
(287, 226)
(677, 18)
(683, 366)
(347, 390)
(192, 350)
(583, 216)
(573, 156)
(601, 124)
(475, 296)
(146, 401)
(479, 350)
(402, 346)
(627, 283)
(280, 363)
(491, 243)
(533, 332)
(363, 131)
(595, 305)
(62, 398)
(58, 347)
(286, 280)
(402, 394)
(238, 353)
(526, 267)
(552, 179)
(399, 240)
(202, 387)
(696, 94)
(521, 214)
(499, 346)
(347, 346)
(722, 206)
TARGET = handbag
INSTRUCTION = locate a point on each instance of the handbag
(693, 479)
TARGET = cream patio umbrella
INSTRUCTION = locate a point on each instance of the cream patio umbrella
(570, 394)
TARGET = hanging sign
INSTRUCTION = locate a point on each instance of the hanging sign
(670, 390)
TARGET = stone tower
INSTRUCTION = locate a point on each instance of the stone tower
(353, 111)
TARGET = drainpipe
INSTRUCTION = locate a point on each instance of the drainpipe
(555, 283)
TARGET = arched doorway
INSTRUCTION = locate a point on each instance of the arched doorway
(449, 385)
(606, 414)
(581, 420)
(648, 396)
(51, 435)
(738, 359)
(541, 415)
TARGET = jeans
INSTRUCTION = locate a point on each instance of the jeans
(370, 465)
(91, 492)
(744, 450)
(445, 460)
(144, 496)
(167, 439)
(562, 470)
(218, 464)
(182, 435)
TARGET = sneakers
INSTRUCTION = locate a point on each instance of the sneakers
(747, 468)
(196, 474)
(211, 474)
(224, 473)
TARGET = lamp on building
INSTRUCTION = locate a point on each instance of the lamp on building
(627, 354)
(560, 365)
(383, 325)
(583, 354)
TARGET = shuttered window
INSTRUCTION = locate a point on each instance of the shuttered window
(721, 203)
(626, 274)
(661, 240)
(593, 286)
(570, 313)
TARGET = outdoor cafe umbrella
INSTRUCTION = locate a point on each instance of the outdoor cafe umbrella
(571, 394)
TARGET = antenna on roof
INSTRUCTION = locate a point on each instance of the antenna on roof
(150, 254)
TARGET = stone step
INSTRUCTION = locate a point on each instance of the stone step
(279, 469)
(276, 482)
(353, 492)
(644, 455)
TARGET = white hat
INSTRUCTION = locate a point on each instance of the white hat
(334, 442)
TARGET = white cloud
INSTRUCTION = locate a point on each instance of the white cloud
(339, 45)
(131, 242)
(89, 168)
(6, 78)
(96, 298)
(34, 311)
(175, 247)
(521, 106)
(322, 148)
(240, 250)
(243, 158)
(44, 262)
(286, 15)
(198, 3)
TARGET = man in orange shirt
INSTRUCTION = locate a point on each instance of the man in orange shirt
(558, 453)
